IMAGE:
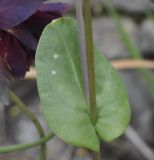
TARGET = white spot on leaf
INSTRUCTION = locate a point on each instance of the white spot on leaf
(55, 56)
(53, 72)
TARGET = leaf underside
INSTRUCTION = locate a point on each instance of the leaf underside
(60, 86)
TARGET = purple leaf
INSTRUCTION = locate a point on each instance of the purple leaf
(13, 55)
(38, 21)
(58, 8)
(17, 59)
(4, 40)
(24, 35)
(13, 12)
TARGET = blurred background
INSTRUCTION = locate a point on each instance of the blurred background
(124, 32)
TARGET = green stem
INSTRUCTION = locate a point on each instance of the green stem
(97, 156)
(19, 147)
(33, 118)
(90, 63)
(90, 60)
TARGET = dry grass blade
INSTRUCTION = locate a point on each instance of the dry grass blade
(118, 64)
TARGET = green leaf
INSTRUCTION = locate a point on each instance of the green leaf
(62, 95)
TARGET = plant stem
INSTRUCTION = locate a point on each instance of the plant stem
(33, 118)
(97, 156)
(19, 147)
(90, 63)
(83, 50)
(90, 60)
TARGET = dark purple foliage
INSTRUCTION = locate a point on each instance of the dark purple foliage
(13, 12)
(55, 8)
(21, 24)
(13, 54)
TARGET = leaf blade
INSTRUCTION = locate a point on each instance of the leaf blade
(112, 100)
(68, 115)
(71, 110)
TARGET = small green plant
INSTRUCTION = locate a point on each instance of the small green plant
(80, 112)
(61, 87)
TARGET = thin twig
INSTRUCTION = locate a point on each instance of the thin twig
(33, 118)
(133, 64)
(118, 64)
